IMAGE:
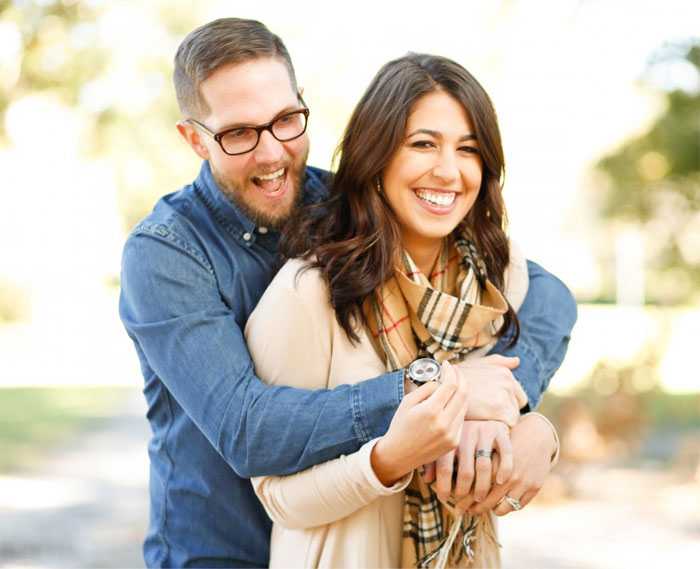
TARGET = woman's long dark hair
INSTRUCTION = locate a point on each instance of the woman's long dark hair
(355, 236)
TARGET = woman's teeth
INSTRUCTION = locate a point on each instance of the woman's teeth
(440, 199)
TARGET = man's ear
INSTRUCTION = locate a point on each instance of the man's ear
(191, 135)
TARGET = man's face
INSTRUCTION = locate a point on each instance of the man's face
(265, 183)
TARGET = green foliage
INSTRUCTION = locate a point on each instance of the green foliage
(52, 56)
(85, 55)
(32, 420)
(655, 183)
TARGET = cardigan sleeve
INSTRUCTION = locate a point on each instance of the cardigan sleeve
(323, 493)
(290, 337)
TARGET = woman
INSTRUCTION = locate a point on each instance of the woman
(407, 259)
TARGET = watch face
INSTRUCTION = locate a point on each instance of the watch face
(424, 369)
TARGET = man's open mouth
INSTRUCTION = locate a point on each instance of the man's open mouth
(272, 183)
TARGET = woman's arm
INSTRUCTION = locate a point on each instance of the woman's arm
(324, 493)
(292, 337)
(427, 424)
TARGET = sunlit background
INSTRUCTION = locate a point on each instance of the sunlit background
(599, 106)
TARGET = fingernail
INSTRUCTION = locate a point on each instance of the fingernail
(459, 511)
(478, 498)
(442, 498)
(499, 479)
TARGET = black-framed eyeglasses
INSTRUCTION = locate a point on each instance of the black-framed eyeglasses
(242, 139)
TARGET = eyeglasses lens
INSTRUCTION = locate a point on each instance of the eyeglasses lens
(287, 127)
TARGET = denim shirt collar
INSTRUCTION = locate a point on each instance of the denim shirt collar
(226, 213)
(314, 188)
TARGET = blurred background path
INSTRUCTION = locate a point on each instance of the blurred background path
(85, 504)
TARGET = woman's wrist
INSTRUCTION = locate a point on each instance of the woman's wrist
(385, 469)
(534, 416)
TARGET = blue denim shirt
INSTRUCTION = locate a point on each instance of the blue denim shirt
(192, 272)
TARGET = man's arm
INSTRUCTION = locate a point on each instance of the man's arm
(546, 317)
(171, 307)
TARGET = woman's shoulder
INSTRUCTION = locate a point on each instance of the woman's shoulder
(301, 278)
(297, 295)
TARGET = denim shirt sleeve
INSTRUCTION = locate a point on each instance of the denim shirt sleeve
(546, 319)
(189, 338)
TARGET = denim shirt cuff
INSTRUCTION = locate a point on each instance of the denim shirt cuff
(528, 374)
(374, 403)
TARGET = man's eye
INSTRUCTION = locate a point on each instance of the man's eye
(241, 133)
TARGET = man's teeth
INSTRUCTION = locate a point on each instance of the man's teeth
(442, 199)
(272, 175)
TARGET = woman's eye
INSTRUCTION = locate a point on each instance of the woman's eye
(469, 149)
(422, 144)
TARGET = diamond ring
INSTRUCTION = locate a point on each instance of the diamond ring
(513, 502)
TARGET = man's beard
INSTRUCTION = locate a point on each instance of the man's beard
(295, 171)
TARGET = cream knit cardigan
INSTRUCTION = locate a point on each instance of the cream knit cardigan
(334, 514)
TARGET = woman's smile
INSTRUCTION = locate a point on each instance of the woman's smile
(436, 201)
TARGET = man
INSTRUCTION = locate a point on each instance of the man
(192, 273)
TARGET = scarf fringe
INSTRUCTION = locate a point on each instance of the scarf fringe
(479, 544)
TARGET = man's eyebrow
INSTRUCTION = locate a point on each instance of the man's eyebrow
(278, 115)
(438, 134)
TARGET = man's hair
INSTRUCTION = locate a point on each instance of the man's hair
(219, 43)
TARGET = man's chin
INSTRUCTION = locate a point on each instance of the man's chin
(267, 218)
(260, 209)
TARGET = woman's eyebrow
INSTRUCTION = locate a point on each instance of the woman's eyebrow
(438, 134)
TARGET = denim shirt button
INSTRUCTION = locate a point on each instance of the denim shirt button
(262, 230)
(246, 236)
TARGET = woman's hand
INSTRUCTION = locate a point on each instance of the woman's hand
(476, 435)
(427, 424)
(534, 444)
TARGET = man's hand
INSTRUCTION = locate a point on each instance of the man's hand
(427, 424)
(493, 391)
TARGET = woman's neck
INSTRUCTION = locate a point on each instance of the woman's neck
(424, 254)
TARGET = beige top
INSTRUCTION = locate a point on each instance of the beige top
(335, 514)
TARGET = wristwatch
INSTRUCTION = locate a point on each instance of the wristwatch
(423, 370)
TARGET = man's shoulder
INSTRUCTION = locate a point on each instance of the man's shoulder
(167, 212)
(316, 184)
(175, 227)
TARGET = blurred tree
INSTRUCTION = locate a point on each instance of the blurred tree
(48, 46)
(655, 179)
(112, 63)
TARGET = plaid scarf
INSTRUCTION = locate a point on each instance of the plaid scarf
(445, 318)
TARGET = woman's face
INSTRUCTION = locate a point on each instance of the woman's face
(433, 179)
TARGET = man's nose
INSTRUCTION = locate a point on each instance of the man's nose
(269, 150)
